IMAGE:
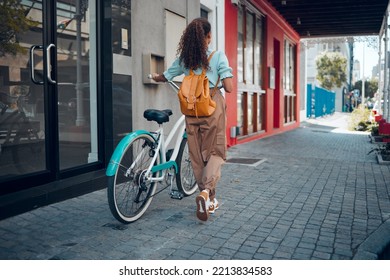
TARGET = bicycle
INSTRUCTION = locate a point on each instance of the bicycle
(141, 160)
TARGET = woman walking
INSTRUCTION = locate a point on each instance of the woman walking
(206, 135)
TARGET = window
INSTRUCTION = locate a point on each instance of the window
(240, 49)
(289, 82)
(204, 13)
(258, 50)
(250, 98)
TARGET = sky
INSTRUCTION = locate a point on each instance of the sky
(370, 57)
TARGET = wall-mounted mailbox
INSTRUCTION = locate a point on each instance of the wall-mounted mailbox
(151, 63)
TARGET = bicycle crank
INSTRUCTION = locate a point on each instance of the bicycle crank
(175, 194)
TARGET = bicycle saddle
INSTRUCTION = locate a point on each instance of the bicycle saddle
(159, 116)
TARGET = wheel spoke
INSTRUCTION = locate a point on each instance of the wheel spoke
(130, 193)
(185, 178)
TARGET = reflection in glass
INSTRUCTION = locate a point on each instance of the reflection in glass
(240, 50)
(249, 49)
(22, 130)
(76, 83)
(258, 51)
(250, 112)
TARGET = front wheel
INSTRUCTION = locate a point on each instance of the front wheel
(185, 178)
(129, 192)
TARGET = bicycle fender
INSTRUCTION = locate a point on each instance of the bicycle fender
(120, 148)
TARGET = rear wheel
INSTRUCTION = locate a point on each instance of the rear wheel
(129, 192)
(185, 178)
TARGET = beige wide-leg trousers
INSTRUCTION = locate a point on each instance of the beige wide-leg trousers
(207, 145)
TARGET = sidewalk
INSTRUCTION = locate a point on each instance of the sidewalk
(312, 193)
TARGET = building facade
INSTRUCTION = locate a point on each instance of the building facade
(73, 81)
(310, 50)
(263, 51)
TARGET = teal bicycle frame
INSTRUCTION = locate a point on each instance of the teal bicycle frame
(162, 148)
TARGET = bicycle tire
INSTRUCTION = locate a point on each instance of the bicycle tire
(185, 179)
(129, 196)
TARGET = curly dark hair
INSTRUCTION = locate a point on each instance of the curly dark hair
(192, 49)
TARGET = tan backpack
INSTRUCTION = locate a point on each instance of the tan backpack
(194, 94)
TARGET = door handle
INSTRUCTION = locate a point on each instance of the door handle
(32, 64)
(48, 63)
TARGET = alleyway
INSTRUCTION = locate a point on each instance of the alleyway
(314, 193)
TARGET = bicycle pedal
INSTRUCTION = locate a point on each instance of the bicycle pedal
(176, 195)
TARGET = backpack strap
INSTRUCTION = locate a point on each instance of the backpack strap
(204, 70)
(216, 87)
(208, 59)
(211, 55)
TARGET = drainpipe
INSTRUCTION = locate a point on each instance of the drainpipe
(379, 76)
(352, 58)
(364, 78)
(386, 102)
(385, 78)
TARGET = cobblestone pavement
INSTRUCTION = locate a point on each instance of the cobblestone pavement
(315, 194)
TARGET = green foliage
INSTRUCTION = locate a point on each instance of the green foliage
(370, 87)
(12, 22)
(331, 69)
(360, 119)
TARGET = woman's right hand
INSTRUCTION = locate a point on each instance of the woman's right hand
(158, 78)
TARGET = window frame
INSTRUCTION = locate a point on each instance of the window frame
(250, 92)
(289, 81)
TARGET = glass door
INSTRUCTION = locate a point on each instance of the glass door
(48, 103)
(22, 102)
(76, 79)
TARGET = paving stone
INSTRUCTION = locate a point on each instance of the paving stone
(262, 256)
(322, 201)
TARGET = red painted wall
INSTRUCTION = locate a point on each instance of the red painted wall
(231, 44)
(276, 31)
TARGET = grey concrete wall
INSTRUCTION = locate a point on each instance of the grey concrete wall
(148, 36)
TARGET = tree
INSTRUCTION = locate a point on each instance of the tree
(331, 69)
(370, 87)
(12, 22)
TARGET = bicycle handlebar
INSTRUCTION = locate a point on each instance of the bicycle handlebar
(173, 85)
